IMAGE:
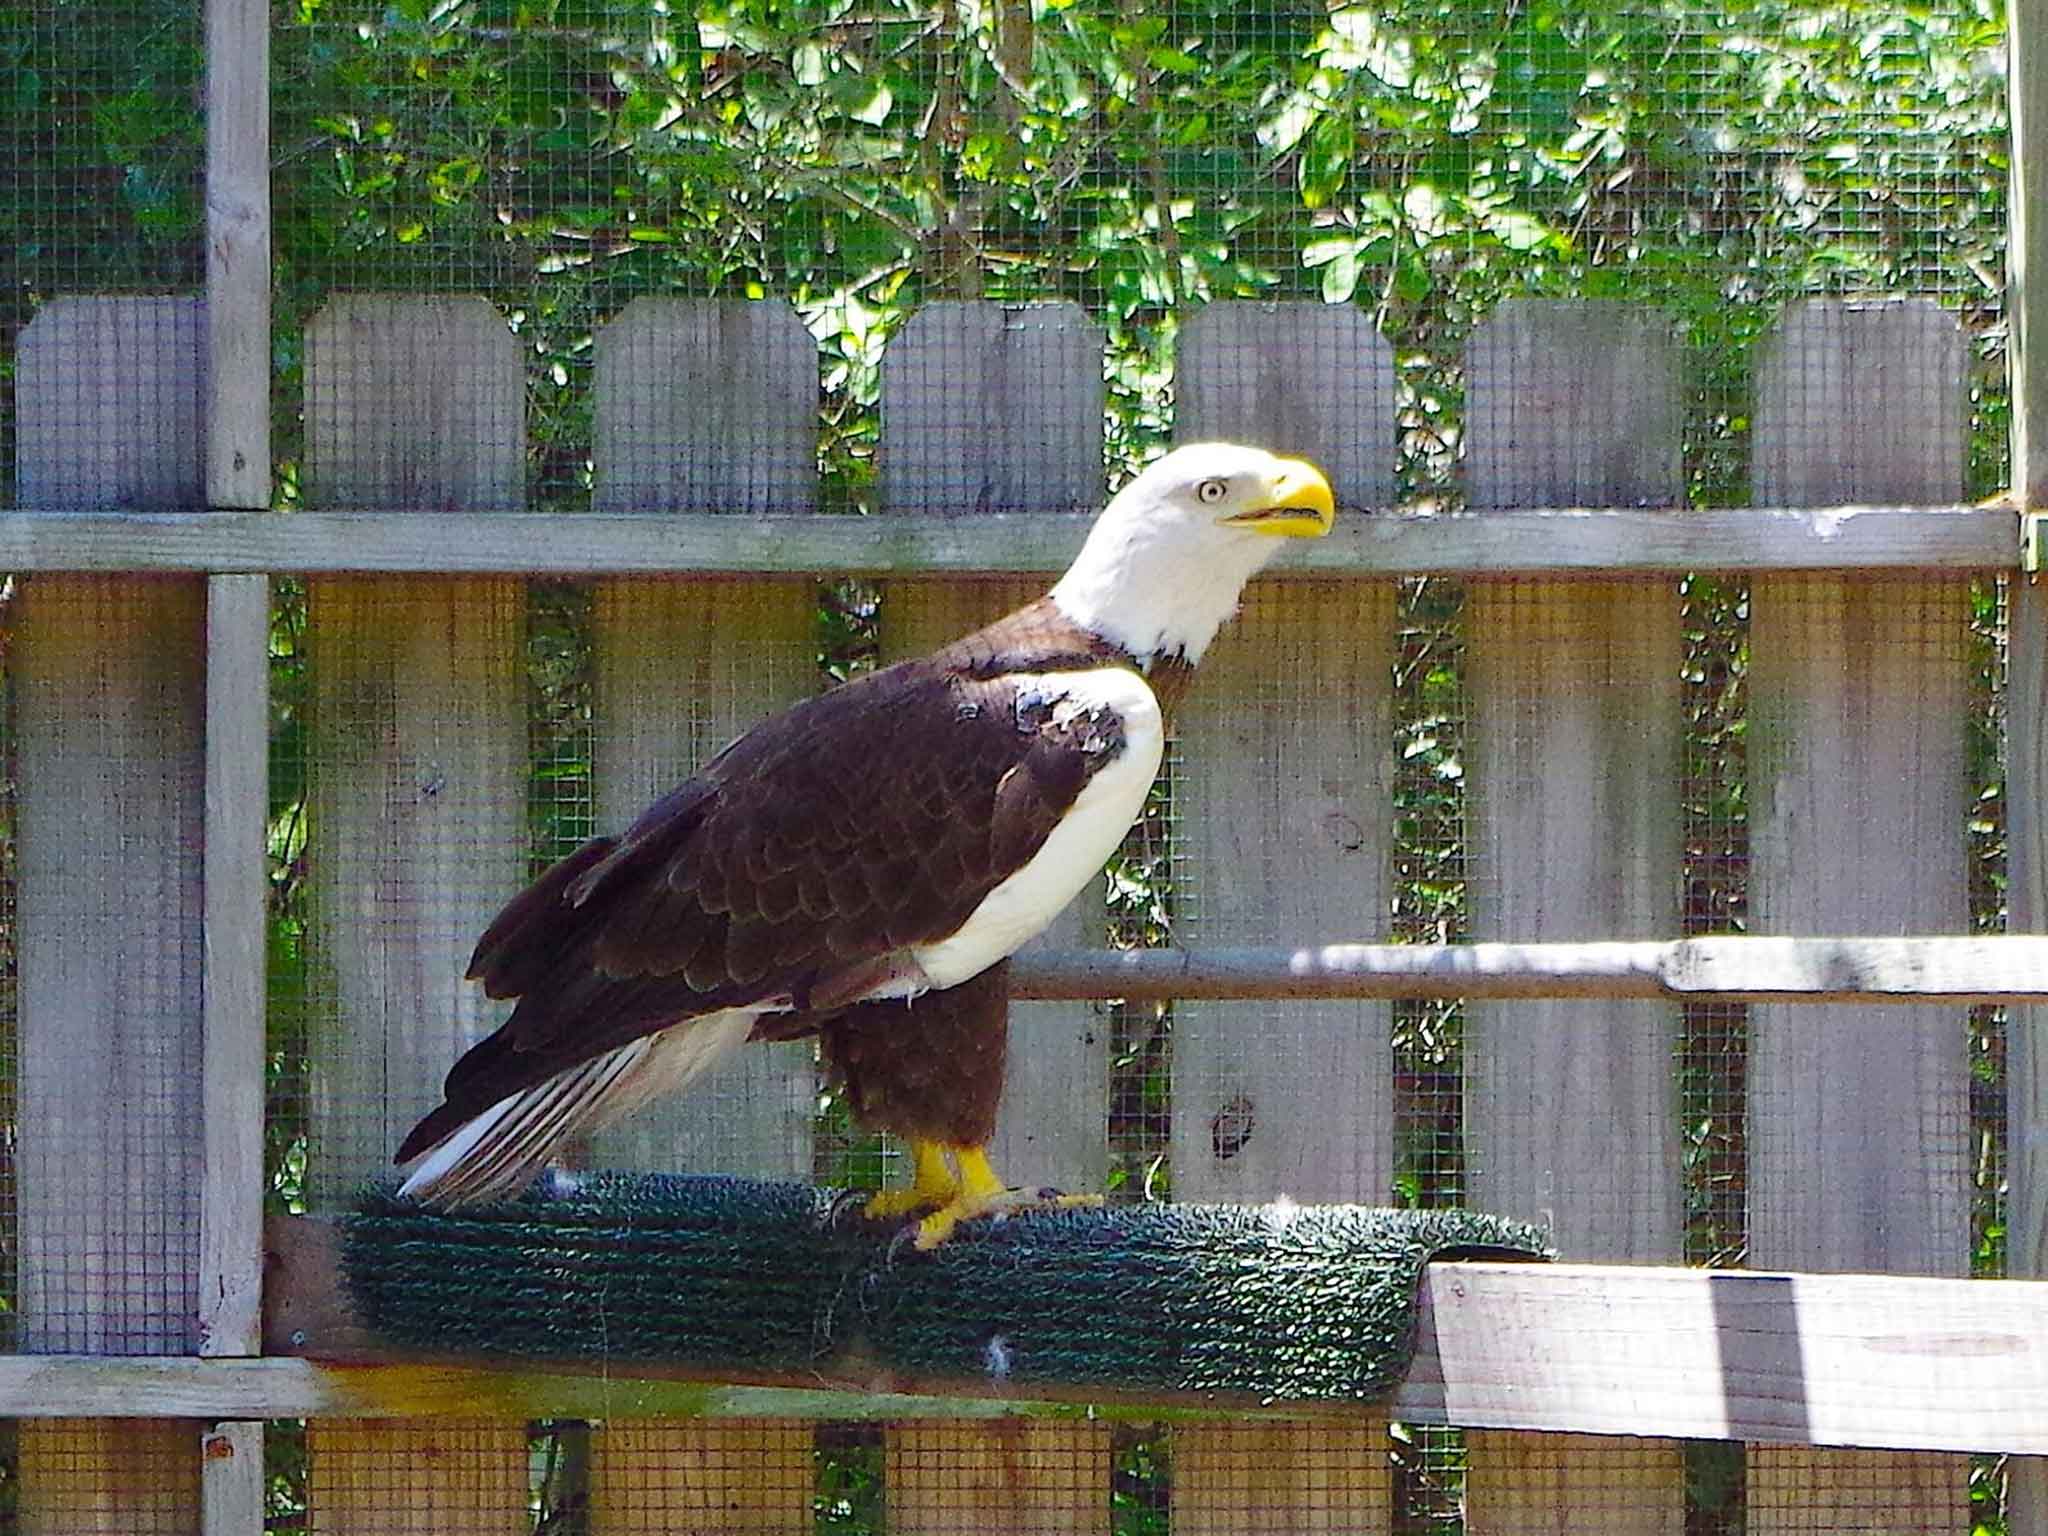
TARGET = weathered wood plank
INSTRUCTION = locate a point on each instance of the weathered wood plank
(732, 1477)
(2026, 247)
(1016, 1474)
(91, 1476)
(1283, 802)
(2026, 809)
(705, 407)
(982, 412)
(237, 414)
(238, 270)
(233, 1487)
(1749, 968)
(1858, 1157)
(371, 1478)
(416, 789)
(969, 542)
(1326, 1476)
(1000, 408)
(109, 410)
(237, 890)
(1788, 1359)
(1576, 830)
(110, 702)
(2026, 308)
(1545, 1485)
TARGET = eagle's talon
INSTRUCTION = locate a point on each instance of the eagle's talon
(995, 1205)
(910, 1232)
(932, 1186)
(890, 1204)
(845, 1207)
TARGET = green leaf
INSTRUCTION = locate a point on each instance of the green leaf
(1411, 278)
(1325, 161)
(1340, 278)
(1518, 231)
(1318, 253)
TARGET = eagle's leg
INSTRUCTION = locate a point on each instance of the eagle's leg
(982, 1193)
(932, 1184)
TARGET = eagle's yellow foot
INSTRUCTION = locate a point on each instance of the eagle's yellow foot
(931, 1185)
(981, 1194)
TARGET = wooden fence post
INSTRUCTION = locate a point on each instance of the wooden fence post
(1574, 812)
(417, 794)
(110, 697)
(1283, 806)
(703, 406)
(994, 408)
(2026, 300)
(1858, 691)
(238, 277)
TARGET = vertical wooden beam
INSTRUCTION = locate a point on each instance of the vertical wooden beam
(110, 742)
(2026, 248)
(1576, 833)
(1283, 811)
(1858, 1144)
(237, 795)
(996, 408)
(417, 794)
(2026, 307)
(703, 406)
(238, 253)
(237, 737)
(233, 1487)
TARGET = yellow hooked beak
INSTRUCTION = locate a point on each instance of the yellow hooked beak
(1297, 503)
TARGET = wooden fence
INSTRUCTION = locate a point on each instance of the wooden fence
(140, 743)
(138, 658)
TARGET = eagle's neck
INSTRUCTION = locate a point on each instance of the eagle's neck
(1143, 593)
(1040, 638)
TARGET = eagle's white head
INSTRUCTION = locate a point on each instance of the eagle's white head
(1164, 565)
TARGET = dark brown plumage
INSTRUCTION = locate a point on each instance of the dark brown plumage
(795, 869)
(927, 1068)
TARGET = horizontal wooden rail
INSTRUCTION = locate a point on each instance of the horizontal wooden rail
(1365, 543)
(1869, 1360)
(1989, 969)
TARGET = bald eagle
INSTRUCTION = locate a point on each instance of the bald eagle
(860, 867)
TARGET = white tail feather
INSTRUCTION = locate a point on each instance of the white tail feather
(497, 1152)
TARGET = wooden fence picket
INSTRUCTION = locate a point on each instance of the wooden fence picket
(1858, 693)
(995, 408)
(1283, 799)
(1575, 830)
(417, 791)
(110, 692)
(703, 406)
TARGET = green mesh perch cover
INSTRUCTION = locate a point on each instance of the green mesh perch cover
(1293, 1302)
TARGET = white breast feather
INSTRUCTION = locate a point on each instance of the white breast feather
(1019, 909)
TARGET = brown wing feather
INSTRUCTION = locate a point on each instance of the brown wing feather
(858, 823)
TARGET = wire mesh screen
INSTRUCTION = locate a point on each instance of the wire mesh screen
(913, 259)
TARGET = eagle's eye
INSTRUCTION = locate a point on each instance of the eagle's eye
(1213, 491)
